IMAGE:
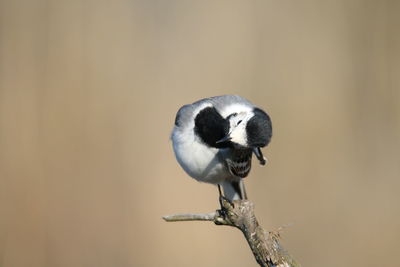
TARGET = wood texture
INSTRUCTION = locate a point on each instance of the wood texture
(240, 214)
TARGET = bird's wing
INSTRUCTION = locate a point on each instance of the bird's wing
(184, 116)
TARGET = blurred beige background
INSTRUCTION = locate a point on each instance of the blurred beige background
(88, 96)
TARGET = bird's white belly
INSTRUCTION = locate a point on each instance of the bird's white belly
(200, 161)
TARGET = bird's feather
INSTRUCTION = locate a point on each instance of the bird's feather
(239, 163)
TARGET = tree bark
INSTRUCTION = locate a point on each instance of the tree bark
(240, 214)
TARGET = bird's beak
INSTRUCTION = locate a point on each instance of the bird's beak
(259, 155)
(225, 139)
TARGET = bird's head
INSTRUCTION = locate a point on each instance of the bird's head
(252, 129)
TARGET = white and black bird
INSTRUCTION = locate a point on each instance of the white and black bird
(214, 140)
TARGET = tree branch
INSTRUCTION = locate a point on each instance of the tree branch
(240, 214)
(190, 217)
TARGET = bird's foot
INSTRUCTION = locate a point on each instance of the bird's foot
(226, 205)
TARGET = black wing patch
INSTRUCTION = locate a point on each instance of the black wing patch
(240, 164)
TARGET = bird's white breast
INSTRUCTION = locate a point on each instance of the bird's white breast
(198, 160)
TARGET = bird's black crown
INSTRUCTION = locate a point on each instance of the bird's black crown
(210, 126)
(259, 129)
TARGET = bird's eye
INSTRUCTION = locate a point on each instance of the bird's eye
(231, 116)
(239, 122)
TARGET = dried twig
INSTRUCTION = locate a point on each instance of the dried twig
(240, 214)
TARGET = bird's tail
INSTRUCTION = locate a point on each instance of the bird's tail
(234, 190)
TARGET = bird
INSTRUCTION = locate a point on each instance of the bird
(214, 139)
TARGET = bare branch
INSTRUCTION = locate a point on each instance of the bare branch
(190, 217)
(240, 214)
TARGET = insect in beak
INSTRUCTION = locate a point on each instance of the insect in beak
(259, 155)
